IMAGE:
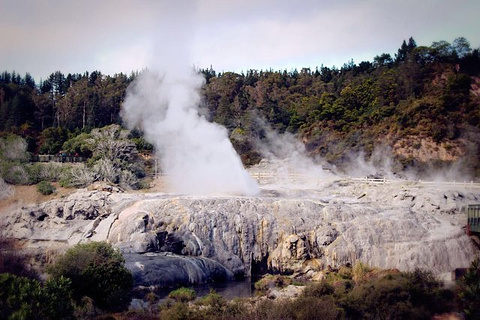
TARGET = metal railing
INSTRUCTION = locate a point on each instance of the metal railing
(467, 184)
(55, 158)
(298, 176)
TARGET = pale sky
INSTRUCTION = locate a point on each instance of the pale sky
(112, 36)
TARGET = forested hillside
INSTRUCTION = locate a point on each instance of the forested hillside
(423, 103)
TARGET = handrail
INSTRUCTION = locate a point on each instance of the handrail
(471, 184)
(55, 158)
(299, 176)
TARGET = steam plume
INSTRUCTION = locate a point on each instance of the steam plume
(289, 161)
(196, 155)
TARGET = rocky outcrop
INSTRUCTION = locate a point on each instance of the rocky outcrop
(403, 226)
(165, 269)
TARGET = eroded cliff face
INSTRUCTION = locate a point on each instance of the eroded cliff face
(401, 225)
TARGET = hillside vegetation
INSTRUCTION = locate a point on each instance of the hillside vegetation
(422, 104)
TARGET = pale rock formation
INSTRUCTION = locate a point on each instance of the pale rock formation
(403, 226)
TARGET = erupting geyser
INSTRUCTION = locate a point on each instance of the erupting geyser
(196, 155)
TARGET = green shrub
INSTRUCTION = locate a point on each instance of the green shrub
(52, 171)
(34, 172)
(182, 294)
(179, 311)
(45, 188)
(213, 300)
(271, 281)
(237, 308)
(96, 270)
(469, 291)
(315, 308)
(23, 298)
(407, 295)
(345, 272)
(212, 306)
(77, 176)
(300, 308)
(272, 310)
(318, 290)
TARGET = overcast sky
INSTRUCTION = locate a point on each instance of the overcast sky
(42, 36)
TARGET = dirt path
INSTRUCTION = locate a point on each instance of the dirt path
(26, 195)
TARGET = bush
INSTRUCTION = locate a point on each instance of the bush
(23, 298)
(34, 172)
(52, 171)
(318, 290)
(300, 308)
(213, 300)
(77, 176)
(182, 295)
(407, 295)
(45, 188)
(178, 311)
(211, 306)
(469, 291)
(96, 270)
(316, 308)
(272, 281)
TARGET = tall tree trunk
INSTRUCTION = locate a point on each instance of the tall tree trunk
(84, 114)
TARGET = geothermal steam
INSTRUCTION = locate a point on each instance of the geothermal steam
(195, 154)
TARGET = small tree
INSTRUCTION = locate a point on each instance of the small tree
(96, 270)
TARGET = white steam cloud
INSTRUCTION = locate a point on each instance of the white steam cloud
(379, 165)
(288, 161)
(196, 155)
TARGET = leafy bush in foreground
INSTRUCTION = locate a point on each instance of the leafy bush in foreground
(96, 270)
(23, 298)
(469, 288)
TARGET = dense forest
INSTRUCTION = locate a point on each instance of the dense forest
(421, 97)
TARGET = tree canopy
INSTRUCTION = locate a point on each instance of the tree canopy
(419, 90)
